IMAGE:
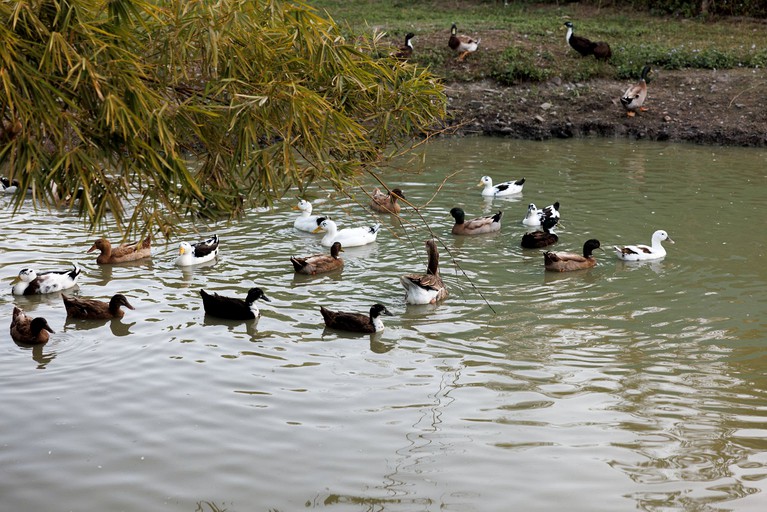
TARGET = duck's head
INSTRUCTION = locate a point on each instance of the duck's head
(102, 244)
(453, 29)
(335, 249)
(27, 275)
(590, 246)
(119, 300)
(531, 207)
(38, 324)
(458, 214)
(486, 181)
(325, 225)
(184, 248)
(397, 193)
(662, 236)
(646, 73)
(304, 206)
(569, 24)
(255, 294)
(377, 310)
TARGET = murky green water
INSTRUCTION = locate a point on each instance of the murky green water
(624, 387)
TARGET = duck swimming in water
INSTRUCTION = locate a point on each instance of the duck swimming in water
(356, 322)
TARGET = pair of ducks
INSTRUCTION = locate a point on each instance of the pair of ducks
(567, 261)
(425, 288)
(189, 253)
(36, 331)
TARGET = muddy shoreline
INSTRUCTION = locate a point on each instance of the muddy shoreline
(696, 106)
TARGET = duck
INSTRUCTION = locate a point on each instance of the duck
(231, 308)
(406, 50)
(91, 309)
(305, 220)
(349, 237)
(9, 186)
(567, 261)
(425, 288)
(386, 203)
(28, 330)
(642, 252)
(476, 226)
(634, 97)
(541, 238)
(600, 49)
(33, 283)
(356, 322)
(200, 252)
(535, 217)
(319, 263)
(462, 44)
(507, 188)
(122, 253)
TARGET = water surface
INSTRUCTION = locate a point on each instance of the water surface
(624, 387)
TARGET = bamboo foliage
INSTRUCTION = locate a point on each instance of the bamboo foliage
(149, 111)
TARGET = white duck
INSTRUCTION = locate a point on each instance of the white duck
(305, 220)
(535, 217)
(507, 188)
(643, 252)
(200, 252)
(32, 283)
(349, 237)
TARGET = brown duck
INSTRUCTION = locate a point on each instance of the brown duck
(356, 322)
(91, 309)
(566, 261)
(425, 288)
(476, 226)
(28, 330)
(386, 203)
(122, 253)
(319, 263)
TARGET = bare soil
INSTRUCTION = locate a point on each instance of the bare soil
(701, 106)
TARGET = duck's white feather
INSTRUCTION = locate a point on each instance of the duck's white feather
(45, 282)
(349, 237)
(305, 220)
(507, 188)
(641, 252)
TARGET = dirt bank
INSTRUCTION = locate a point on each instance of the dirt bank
(700, 106)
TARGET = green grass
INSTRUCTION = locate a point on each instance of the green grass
(525, 42)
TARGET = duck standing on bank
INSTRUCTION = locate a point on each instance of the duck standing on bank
(567, 261)
(425, 288)
(476, 226)
(122, 253)
(319, 263)
(462, 44)
(233, 308)
(406, 50)
(634, 97)
(356, 322)
(197, 253)
(28, 330)
(91, 309)
(600, 49)
(640, 252)
(32, 283)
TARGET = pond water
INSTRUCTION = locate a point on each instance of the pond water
(623, 387)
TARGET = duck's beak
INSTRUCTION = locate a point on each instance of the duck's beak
(318, 230)
(93, 248)
(181, 250)
(668, 239)
(295, 207)
(480, 184)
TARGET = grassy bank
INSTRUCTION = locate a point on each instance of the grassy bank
(524, 42)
